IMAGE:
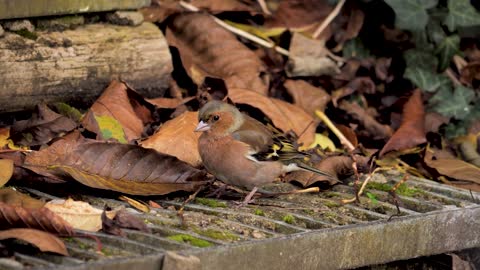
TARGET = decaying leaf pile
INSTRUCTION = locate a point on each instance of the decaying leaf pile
(394, 83)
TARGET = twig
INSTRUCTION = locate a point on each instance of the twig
(452, 77)
(335, 130)
(328, 19)
(393, 193)
(239, 32)
(357, 176)
(264, 7)
(369, 177)
(189, 199)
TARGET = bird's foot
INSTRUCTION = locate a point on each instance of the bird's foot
(218, 192)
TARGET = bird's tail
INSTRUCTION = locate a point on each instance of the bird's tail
(309, 168)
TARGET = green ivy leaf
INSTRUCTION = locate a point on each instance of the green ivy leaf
(355, 48)
(426, 80)
(411, 14)
(447, 49)
(456, 105)
(461, 13)
(422, 59)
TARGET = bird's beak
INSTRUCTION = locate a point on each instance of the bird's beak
(202, 126)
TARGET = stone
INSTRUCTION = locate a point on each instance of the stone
(173, 260)
(132, 18)
(19, 25)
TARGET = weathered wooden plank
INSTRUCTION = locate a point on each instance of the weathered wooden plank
(76, 65)
(33, 8)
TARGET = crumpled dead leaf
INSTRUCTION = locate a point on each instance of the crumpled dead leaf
(42, 127)
(412, 130)
(15, 198)
(177, 138)
(129, 169)
(308, 57)
(207, 49)
(44, 241)
(80, 215)
(6, 171)
(307, 96)
(124, 105)
(284, 116)
(374, 129)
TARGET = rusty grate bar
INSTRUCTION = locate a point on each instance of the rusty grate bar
(308, 231)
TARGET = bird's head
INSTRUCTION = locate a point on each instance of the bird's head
(219, 118)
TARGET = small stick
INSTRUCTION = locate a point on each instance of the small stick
(264, 7)
(328, 19)
(369, 177)
(189, 199)
(335, 130)
(452, 77)
(239, 32)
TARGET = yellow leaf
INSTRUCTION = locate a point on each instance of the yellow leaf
(6, 171)
(323, 141)
(258, 31)
(110, 128)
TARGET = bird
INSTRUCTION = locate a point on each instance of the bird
(241, 151)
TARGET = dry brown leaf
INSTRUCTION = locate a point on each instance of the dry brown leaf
(44, 219)
(80, 215)
(307, 96)
(308, 57)
(129, 169)
(300, 14)
(284, 116)
(349, 23)
(412, 130)
(42, 127)
(339, 166)
(139, 205)
(452, 167)
(123, 104)
(348, 133)
(123, 219)
(216, 6)
(434, 120)
(470, 73)
(15, 198)
(207, 49)
(6, 171)
(177, 138)
(169, 103)
(373, 128)
(44, 241)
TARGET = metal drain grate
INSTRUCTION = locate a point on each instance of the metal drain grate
(303, 231)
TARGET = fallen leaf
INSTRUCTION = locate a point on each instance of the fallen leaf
(324, 142)
(207, 49)
(42, 218)
(434, 120)
(42, 127)
(412, 130)
(299, 14)
(351, 21)
(44, 241)
(80, 215)
(6, 171)
(307, 96)
(107, 127)
(348, 133)
(216, 6)
(169, 103)
(376, 130)
(470, 72)
(284, 116)
(177, 138)
(308, 57)
(128, 221)
(452, 167)
(15, 198)
(109, 226)
(122, 104)
(139, 205)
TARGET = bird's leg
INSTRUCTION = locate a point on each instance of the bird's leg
(218, 192)
(248, 199)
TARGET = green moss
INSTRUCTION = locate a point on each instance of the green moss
(185, 238)
(309, 211)
(330, 215)
(210, 202)
(259, 212)
(215, 234)
(403, 189)
(289, 219)
(107, 252)
(26, 34)
(331, 204)
(379, 186)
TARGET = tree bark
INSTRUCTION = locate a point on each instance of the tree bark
(74, 66)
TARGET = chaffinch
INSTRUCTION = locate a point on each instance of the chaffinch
(241, 151)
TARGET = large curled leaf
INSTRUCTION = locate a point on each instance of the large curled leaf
(177, 138)
(426, 80)
(284, 116)
(411, 14)
(130, 169)
(44, 241)
(42, 218)
(447, 49)
(207, 49)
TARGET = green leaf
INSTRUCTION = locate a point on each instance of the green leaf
(372, 197)
(110, 128)
(355, 48)
(426, 80)
(461, 13)
(456, 105)
(411, 14)
(422, 59)
(447, 49)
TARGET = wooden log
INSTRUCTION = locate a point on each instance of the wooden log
(33, 8)
(76, 65)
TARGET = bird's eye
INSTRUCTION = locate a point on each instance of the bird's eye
(216, 117)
